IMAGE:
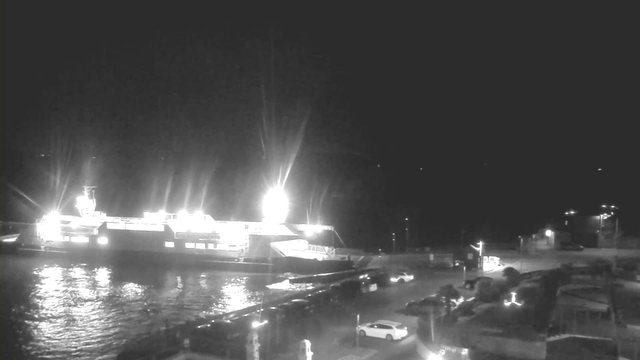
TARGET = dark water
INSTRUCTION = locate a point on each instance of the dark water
(56, 308)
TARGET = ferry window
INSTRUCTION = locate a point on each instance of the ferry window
(211, 246)
(232, 246)
(200, 245)
(189, 245)
(169, 244)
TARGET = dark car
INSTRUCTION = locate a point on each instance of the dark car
(571, 247)
(471, 283)
(428, 305)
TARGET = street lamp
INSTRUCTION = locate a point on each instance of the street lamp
(605, 216)
(406, 228)
(569, 213)
(479, 250)
(275, 206)
(393, 238)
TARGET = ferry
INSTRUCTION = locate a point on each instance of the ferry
(186, 237)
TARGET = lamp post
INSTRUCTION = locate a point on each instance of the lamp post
(479, 250)
(570, 214)
(393, 239)
(406, 228)
(605, 216)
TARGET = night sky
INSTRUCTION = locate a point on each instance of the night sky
(491, 120)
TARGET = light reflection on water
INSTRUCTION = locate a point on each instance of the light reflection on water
(57, 309)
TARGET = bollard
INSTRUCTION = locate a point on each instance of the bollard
(304, 351)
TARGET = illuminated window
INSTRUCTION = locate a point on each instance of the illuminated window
(189, 245)
(200, 245)
(103, 240)
(211, 246)
(169, 244)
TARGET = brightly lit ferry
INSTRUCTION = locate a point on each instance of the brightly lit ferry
(189, 237)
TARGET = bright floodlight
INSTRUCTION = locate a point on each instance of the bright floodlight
(548, 233)
(275, 206)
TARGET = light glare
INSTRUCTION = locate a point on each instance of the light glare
(275, 206)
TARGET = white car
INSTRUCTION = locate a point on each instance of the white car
(384, 329)
(401, 277)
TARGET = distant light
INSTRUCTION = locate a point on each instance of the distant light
(275, 206)
(420, 169)
(599, 169)
(257, 324)
(102, 240)
(513, 300)
(79, 239)
(407, 219)
(53, 214)
(11, 239)
(604, 206)
(378, 165)
(548, 233)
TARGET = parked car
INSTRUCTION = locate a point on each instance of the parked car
(383, 329)
(471, 283)
(401, 277)
(428, 305)
(569, 246)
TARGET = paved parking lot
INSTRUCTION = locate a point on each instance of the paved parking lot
(337, 338)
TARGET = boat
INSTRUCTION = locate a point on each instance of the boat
(185, 237)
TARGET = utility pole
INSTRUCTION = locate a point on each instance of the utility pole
(462, 238)
(393, 238)
(615, 245)
(407, 230)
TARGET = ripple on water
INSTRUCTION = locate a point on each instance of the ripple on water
(63, 310)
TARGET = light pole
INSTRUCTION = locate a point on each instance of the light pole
(393, 239)
(406, 228)
(605, 216)
(570, 214)
(479, 250)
